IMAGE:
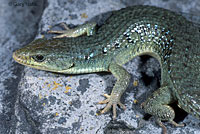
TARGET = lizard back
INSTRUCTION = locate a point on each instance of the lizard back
(185, 69)
(114, 36)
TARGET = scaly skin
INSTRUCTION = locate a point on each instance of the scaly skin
(129, 32)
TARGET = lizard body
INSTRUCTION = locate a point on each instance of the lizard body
(129, 32)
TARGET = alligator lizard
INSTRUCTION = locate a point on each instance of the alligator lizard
(129, 32)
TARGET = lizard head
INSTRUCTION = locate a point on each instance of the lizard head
(49, 55)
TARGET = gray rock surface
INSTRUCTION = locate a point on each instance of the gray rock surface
(34, 101)
(18, 24)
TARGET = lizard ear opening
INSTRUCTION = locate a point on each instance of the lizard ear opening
(65, 68)
(72, 65)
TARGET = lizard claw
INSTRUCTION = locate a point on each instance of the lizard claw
(111, 102)
(106, 100)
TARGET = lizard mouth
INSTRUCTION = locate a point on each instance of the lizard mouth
(19, 59)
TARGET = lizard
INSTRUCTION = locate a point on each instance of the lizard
(129, 32)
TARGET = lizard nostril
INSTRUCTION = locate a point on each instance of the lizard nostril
(15, 57)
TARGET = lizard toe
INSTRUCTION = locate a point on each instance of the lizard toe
(111, 103)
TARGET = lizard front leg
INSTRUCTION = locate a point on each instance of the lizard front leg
(88, 29)
(123, 79)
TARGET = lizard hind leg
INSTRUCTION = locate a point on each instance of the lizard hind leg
(157, 105)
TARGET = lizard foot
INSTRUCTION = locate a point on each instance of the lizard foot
(88, 29)
(176, 124)
(171, 122)
(63, 33)
(111, 102)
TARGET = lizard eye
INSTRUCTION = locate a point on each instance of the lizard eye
(38, 58)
